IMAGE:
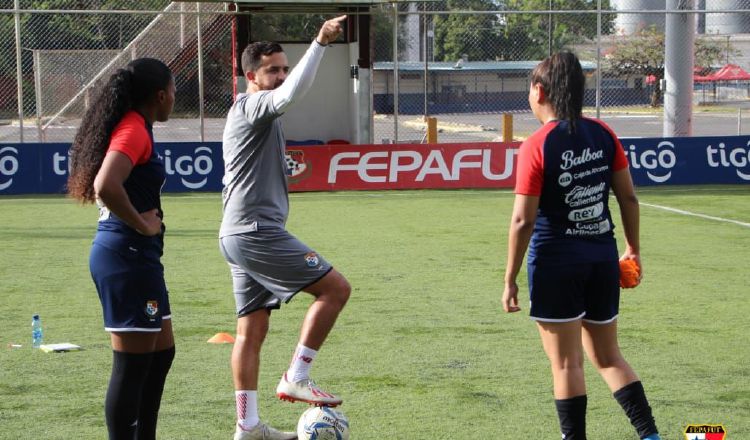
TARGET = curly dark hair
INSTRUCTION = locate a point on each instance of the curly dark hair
(563, 82)
(253, 52)
(128, 88)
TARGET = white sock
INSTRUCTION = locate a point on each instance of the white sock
(299, 369)
(247, 408)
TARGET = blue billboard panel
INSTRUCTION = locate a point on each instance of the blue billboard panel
(43, 168)
(198, 166)
(689, 161)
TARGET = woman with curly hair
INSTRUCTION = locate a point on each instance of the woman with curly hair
(114, 164)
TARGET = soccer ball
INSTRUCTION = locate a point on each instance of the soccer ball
(323, 423)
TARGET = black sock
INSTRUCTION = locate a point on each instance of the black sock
(632, 399)
(129, 372)
(572, 415)
(151, 394)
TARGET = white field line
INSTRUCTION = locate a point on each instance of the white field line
(371, 193)
(695, 214)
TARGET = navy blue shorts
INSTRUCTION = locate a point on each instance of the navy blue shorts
(588, 291)
(129, 279)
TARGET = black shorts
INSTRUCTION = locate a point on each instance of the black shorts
(563, 293)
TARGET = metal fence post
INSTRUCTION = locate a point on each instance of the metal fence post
(739, 121)
(201, 104)
(19, 72)
(424, 54)
(395, 72)
(598, 58)
(38, 94)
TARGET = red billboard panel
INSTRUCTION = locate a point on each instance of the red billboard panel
(401, 166)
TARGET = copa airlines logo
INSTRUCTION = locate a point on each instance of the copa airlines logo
(8, 166)
(728, 157)
(390, 165)
(192, 169)
(658, 162)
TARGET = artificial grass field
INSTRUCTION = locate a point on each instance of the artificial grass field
(422, 350)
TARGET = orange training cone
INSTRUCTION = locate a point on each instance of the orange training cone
(221, 338)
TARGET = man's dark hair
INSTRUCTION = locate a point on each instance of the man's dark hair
(253, 52)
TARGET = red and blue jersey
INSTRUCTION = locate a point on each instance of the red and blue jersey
(571, 173)
(133, 137)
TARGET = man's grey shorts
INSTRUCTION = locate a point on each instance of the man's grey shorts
(268, 266)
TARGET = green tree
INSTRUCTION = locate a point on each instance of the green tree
(285, 27)
(85, 31)
(528, 36)
(643, 54)
(382, 33)
(474, 35)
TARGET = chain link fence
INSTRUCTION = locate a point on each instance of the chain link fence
(65, 56)
(464, 62)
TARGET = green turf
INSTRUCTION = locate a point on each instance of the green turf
(422, 351)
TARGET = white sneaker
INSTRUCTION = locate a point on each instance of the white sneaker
(263, 432)
(305, 391)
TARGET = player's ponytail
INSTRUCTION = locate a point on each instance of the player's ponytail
(563, 82)
(126, 88)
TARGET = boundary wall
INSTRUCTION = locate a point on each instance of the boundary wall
(198, 166)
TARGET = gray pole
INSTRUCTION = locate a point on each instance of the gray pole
(201, 109)
(598, 59)
(739, 121)
(19, 72)
(182, 26)
(424, 53)
(395, 72)
(38, 93)
(549, 30)
(678, 69)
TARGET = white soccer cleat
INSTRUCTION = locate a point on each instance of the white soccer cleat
(305, 391)
(261, 431)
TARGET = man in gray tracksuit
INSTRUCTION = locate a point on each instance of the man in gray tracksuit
(268, 264)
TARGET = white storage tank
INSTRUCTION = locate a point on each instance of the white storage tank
(628, 24)
(727, 23)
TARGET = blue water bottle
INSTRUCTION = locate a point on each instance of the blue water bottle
(36, 331)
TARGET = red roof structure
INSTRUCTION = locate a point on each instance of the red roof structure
(730, 72)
